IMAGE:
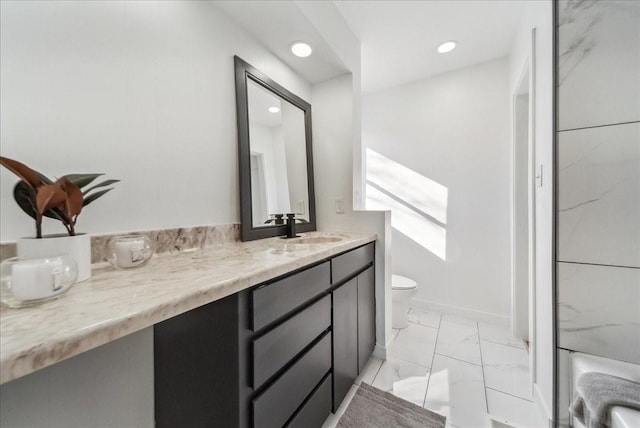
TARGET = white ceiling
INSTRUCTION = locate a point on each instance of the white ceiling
(399, 37)
(276, 24)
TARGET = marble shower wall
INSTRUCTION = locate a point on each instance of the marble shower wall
(598, 310)
(598, 240)
(598, 63)
(599, 195)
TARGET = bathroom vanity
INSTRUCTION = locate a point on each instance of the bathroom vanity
(282, 353)
(261, 333)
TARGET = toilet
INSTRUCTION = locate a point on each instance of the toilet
(402, 289)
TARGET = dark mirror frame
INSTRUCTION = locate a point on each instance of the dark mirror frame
(243, 72)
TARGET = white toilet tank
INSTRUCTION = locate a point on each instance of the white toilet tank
(399, 282)
(402, 289)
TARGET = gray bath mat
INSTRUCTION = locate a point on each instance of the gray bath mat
(373, 408)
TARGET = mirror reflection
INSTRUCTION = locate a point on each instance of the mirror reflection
(278, 157)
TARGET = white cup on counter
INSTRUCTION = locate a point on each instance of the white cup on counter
(130, 251)
(29, 281)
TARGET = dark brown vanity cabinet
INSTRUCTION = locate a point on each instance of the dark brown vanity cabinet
(345, 339)
(366, 316)
(353, 317)
(268, 356)
(200, 366)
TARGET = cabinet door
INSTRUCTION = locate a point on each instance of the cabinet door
(366, 316)
(345, 339)
(196, 365)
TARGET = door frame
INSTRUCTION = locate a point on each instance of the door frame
(526, 77)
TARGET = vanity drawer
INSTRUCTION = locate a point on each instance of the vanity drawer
(277, 403)
(271, 301)
(315, 411)
(344, 266)
(276, 348)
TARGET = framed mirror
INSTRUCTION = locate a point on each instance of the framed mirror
(275, 156)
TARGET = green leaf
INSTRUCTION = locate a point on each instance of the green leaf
(56, 214)
(25, 197)
(81, 180)
(92, 197)
(43, 177)
(103, 184)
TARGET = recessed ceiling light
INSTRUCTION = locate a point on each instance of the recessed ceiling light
(301, 49)
(274, 109)
(447, 46)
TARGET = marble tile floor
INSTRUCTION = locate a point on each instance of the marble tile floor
(460, 368)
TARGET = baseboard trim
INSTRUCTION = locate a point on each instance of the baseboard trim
(460, 312)
(380, 352)
(543, 411)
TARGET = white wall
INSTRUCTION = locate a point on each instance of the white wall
(333, 136)
(110, 386)
(330, 23)
(538, 15)
(143, 91)
(337, 156)
(140, 90)
(451, 129)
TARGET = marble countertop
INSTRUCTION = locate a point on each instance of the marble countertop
(115, 303)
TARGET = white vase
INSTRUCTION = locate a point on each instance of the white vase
(78, 247)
